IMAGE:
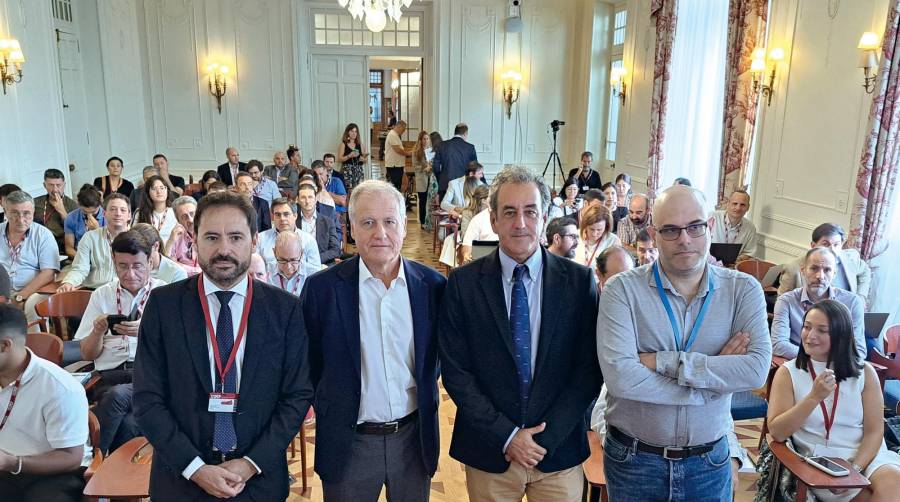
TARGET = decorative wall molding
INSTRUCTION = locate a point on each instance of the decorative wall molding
(788, 220)
(769, 241)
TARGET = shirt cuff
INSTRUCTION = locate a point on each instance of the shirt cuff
(509, 439)
(258, 470)
(667, 363)
(195, 464)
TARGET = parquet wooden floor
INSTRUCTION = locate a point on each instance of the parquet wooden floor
(448, 484)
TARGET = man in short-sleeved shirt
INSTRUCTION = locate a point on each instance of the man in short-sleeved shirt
(42, 441)
(395, 155)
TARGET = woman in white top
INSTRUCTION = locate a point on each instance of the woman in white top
(828, 380)
(596, 235)
(156, 207)
(567, 206)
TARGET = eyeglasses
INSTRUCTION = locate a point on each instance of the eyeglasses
(284, 261)
(572, 236)
(673, 233)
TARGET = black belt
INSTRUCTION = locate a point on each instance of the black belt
(386, 428)
(667, 452)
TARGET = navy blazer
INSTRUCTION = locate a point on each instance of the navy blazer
(225, 172)
(455, 154)
(480, 375)
(172, 385)
(331, 212)
(330, 301)
(263, 216)
(326, 238)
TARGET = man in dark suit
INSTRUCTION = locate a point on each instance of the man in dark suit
(326, 211)
(228, 171)
(518, 354)
(455, 154)
(243, 184)
(221, 378)
(371, 323)
(318, 225)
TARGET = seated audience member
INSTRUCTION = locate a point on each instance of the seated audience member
(217, 186)
(567, 205)
(455, 199)
(852, 272)
(209, 177)
(285, 219)
(319, 177)
(609, 202)
(639, 218)
(682, 181)
(818, 273)
(591, 198)
(180, 246)
(732, 227)
(93, 264)
(329, 159)
(156, 207)
(562, 237)
(584, 176)
(333, 182)
(476, 201)
(288, 274)
(257, 268)
(51, 210)
(479, 229)
(243, 185)
(112, 348)
(175, 184)
(325, 210)
(4, 191)
(320, 227)
(114, 182)
(623, 196)
(282, 173)
(138, 193)
(826, 376)
(88, 216)
(596, 235)
(45, 426)
(229, 170)
(646, 248)
(611, 261)
(28, 252)
(161, 266)
(263, 187)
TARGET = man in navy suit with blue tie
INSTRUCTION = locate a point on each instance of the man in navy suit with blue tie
(455, 154)
(371, 323)
(517, 343)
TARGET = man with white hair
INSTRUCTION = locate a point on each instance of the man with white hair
(371, 323)
(180, 247)
(287, 274)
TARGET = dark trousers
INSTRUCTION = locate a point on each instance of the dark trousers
(423, 204)
(395, 176)
(114, 410)
(66, 487)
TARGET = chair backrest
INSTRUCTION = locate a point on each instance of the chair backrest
(192, 187)
(754, 267)
(46, 346)
(68, 304)
(892, 339)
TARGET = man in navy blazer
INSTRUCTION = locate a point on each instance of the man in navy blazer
(517, 342)
(204, 454)
(372, 322)
(455, 154)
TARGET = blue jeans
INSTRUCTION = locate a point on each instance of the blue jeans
(644, 477)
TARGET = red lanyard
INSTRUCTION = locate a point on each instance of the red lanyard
(14, 251)
(162, 220)
(47, 209)
(204, 304)
(829, 421)
(12, 402)
(296, 283)
(591, 259)
(140, 309)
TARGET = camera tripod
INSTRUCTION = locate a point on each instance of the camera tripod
(555, 160)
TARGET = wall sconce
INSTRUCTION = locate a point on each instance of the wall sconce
(218, 83)
(512, 82)
(868, 59)
(617, 82)
(11, 59)
(758, 66)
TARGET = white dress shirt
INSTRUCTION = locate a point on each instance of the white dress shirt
(117, 349)
(308, 225)
(480, 229)
(168, 271)
(312, 261)
(387, 350)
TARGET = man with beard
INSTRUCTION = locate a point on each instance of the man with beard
(233, 344)
(819, 266)
(562, 237)
(263, 187)
(282, 173)
(639, 218)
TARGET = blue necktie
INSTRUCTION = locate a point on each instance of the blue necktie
(520, 325)
(224, 436)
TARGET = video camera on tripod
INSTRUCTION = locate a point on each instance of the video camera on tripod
(556, 124)
(554, 155)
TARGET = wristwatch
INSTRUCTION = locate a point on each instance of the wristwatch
(20, 298)
(857, 467)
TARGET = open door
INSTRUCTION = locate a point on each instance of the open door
(340, 96)
(74, 110)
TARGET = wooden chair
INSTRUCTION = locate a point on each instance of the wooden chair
(890, 378)
(754, 267)
(304, 482)
(192, 187)
(46, 346)
(62, 305)
(892, 339)
(125, 474)
(593, 471)
(94, 435)
(810, 477)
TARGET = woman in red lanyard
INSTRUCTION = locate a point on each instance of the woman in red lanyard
(829, 402)
(596, 235)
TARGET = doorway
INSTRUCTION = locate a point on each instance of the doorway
(74, 109)
(395, 93)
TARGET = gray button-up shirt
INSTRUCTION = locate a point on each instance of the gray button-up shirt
(687, 400)
(791, 307)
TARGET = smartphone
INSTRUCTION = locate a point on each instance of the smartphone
(828, 466)
(113, 319)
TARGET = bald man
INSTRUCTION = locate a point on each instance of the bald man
(287, 274)
(258, 268)
(610, 262)
(228, 171)
(675, 340)
(281, 172)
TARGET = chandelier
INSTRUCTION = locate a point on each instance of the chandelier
(376, 12)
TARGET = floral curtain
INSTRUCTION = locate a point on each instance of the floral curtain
(746, 31)
(663, 14)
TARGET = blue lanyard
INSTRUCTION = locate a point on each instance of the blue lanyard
(668, 306)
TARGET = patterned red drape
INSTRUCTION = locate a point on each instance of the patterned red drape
(746, 31)
(880, 160)
(663, 13)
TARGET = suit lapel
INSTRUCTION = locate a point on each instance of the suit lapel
(492, 287)
(418, 302)
(195, 332)
(255, 337)
(554, 281)
(348, 308)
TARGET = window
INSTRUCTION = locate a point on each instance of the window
(62, 9)
(619, 26)
(375, 92)
(617, 49)
(339, 28)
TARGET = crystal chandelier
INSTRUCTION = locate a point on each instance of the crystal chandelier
(376, 12)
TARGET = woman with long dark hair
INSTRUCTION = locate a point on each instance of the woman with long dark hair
(436, 140)
(156, 207)
(352, 156)
(623, 196)
(114, 182)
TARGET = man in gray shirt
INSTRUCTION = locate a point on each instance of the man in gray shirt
(675, 340)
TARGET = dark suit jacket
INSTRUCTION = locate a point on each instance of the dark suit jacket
(332, 214)
(225, 172)
(327, 238)
(172, 386)
(263, 216)
(455, 154)
(479, 371)
(330, 301)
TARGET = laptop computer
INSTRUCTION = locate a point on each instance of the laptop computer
(725, 253)
(875, 322)
(483, 248)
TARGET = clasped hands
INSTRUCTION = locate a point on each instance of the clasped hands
(737, 346)
(523, 449)
(225, 480)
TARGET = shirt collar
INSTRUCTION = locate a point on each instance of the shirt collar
(365, 274)
(705, 284)
(239, 289)
(30, 369)
(533, 263)
(804, 294)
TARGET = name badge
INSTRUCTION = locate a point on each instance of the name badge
(221, 402)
